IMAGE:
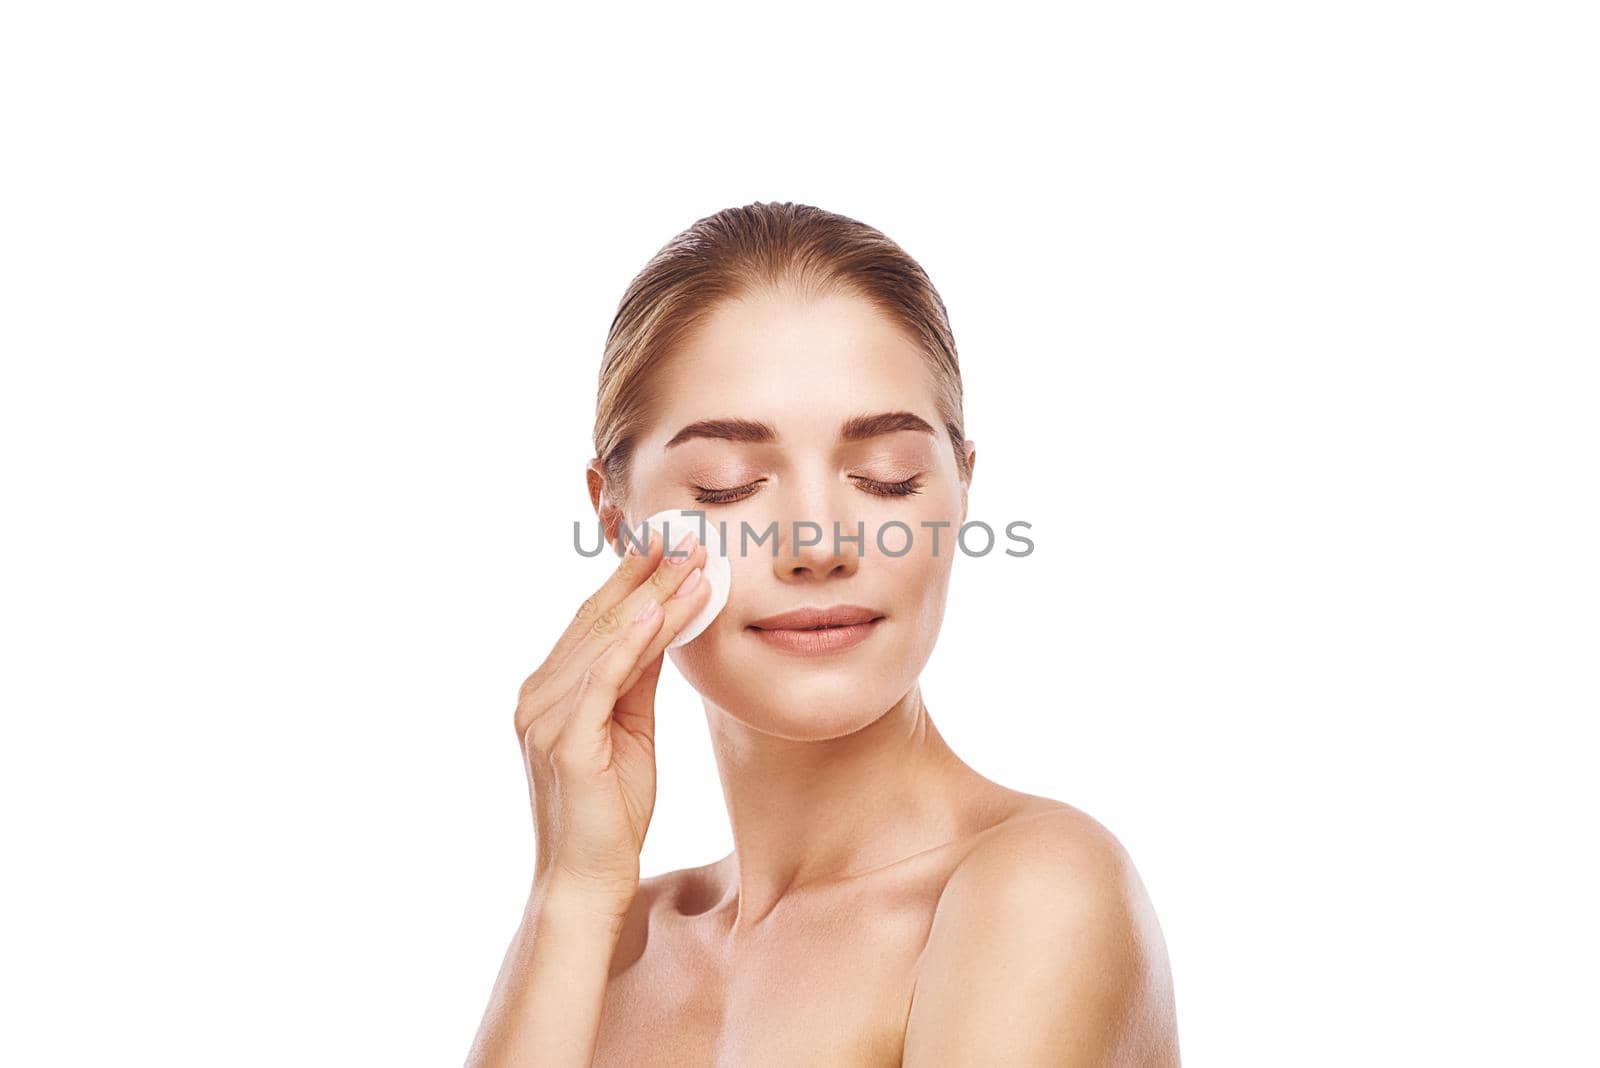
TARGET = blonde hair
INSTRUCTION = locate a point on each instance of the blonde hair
(738, 251)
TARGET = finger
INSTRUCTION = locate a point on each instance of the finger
(587, 730)
(681, 607)
(635, 566)
(663, 582)
(635, 710)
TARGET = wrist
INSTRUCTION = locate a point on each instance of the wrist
(583, 899)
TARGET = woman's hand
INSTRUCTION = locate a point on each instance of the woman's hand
(586, 721)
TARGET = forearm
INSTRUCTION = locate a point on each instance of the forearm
(545, 1009)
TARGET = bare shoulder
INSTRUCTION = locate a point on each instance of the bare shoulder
(1045, 949)
(1053, 857)
(684, 890)
(661, 897)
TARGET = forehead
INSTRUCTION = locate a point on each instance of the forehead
(803, 364)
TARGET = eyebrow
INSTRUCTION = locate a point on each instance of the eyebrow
(750, 432)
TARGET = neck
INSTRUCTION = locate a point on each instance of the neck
(805, 812)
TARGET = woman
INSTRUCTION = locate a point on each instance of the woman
(884, 903)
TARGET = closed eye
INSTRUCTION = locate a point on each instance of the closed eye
(707, 495)
(890, 489)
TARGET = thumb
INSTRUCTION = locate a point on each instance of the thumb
(636, 708)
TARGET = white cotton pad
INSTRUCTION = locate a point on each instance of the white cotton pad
(673, 524)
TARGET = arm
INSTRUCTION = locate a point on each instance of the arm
(586, 723)
(545, 1009)
(1044, 950)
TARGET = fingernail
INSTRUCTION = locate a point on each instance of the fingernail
(688, 584)
(636, 544)
(685, 547)
(648, 611)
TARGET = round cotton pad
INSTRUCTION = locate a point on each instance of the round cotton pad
(674, 523)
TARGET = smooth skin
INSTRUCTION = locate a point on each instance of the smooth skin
(884, 903)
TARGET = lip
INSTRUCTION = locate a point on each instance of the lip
(844, 626)
(832, 615)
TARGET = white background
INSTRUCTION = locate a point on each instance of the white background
(1278, 322)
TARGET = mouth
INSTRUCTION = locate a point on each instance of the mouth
(813, 631)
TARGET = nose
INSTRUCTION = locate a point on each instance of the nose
(814, 547)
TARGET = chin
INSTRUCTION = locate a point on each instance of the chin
(814, 717)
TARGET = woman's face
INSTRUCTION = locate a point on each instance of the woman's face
(784, 377)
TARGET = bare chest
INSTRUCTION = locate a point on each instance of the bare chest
(829, 985)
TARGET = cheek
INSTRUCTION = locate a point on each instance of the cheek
(918, 580)
(751, 574)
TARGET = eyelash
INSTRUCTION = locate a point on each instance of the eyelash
(707, 495)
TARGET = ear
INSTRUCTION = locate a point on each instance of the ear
(602, 496)
(971, 448)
